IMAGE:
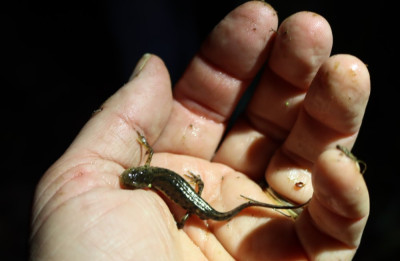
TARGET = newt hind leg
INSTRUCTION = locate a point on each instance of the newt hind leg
(181, 223)
(196, 179)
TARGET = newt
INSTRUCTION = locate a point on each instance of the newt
(181, 192)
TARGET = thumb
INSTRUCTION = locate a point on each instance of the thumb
(107, 143)
(143, 104)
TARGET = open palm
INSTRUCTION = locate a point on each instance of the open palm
(305, 104)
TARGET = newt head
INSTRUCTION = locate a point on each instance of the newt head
(135, 178)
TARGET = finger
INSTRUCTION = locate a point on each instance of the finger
(108, 140)
(303, 42)
(207, 93)
(337, 214)
(332, 114)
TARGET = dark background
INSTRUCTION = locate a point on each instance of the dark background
(61, 60)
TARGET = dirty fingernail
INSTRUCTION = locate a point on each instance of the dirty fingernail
(140, 65)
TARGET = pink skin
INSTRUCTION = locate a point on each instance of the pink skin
(305, 104)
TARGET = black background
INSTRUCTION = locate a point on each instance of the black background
(61, 60)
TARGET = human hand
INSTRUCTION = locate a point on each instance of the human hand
(304, 104)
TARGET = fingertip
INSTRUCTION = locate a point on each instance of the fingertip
(289, 179)
(303, 42)
(340, 204)
(339, 185)
(339, 94)
(239, 44)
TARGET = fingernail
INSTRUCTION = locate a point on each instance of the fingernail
(140, 65)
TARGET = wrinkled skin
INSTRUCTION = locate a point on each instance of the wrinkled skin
(305, 103)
